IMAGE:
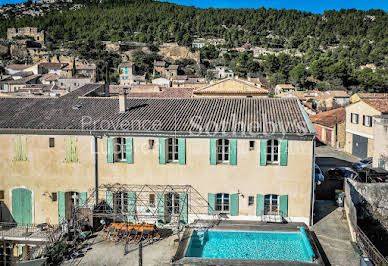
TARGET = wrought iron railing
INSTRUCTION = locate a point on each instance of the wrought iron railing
(368, 248)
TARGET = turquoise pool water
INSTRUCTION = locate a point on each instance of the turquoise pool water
(249, 245)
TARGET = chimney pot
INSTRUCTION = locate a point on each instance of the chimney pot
(122, 98)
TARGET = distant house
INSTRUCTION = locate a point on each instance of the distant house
(49, 78)
(128, 75)
(283, 88)
(330, 127)
(162, 82)
(54, 68)
(231, 87)
(329, 99)
(151, 91)
(15, 68)
(361, 95)
(71, 84)
(221, 72)
(18, 84)
(81, 71)
(161, 70)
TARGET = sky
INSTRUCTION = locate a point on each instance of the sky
(315, 6)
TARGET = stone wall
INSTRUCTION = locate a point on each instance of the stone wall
(373, 198)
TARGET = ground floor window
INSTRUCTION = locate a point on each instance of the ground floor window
(172, 203)
(271, 204)
(120, 202)
(222, 202)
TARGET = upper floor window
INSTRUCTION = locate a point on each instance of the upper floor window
(222, 202)
(367, 120)
(222, 150)
(354, 118)
(172, 150)
(20, 148)
(271, 204)
(273, 151)
(120, 150)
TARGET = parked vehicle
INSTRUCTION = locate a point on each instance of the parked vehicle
(367, 162)
(373, 175)
(319, 177)
(340, 173)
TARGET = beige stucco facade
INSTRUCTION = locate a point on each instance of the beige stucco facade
(45, 172)
(361, 108)
(380, 154)
(329, 133)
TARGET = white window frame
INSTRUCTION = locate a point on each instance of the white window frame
(173, 204)
(120, 154)
(120, 202)
(367, 120)
(223, 150)
(172, 150)
(273, 153)
(224, 205)
(270, 208)
(352, 118)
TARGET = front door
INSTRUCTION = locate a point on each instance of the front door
(360, 146)
(22, 206)
(172, 206)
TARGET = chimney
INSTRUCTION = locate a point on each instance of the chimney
(122, 103)
(107, 83)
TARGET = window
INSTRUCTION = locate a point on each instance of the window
(1, 194)
(152, 200)
(120, 202)
(54, 196)
(222, 150)
(222, 202)
(20, 148)
(272, 151)
(251, 200)
(367, 120)
(354, 118)
(51, 142)
(172, 150)
(251, 145)
(271, 204)
(151, 144)
(120, 150)
(172, 200)
(381, 163)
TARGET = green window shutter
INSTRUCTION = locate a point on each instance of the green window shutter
(67, 149)
(160, 208)
(83, 199)
(109, 149)
(263, 152)
(283, 152)
(211, 199)
(23, 142)
(61, 207)
(234, 204)
(17, 214)
(259, 204)
(131, 207)
(283, 205)
(233, 151)
(18, 153)
(74, 149)
(213, 151)
(162, 151)
(182, 151)
(109, 200)
(184, 215)
(129, 149)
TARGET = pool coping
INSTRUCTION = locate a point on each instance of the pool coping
(180, 259)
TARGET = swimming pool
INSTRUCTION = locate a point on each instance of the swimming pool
(285, 246)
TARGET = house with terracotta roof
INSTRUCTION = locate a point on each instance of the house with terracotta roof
(246, 158)
(14, 68)
(360, 125)
(81, 71)
(52, 68)
(279, 88)
(364, 95)
(330, 127)
(327, 100)
(231, 87)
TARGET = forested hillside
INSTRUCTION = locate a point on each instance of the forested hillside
(333, 44)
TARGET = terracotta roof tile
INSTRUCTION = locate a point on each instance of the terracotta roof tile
(329, 118)
(379, 104)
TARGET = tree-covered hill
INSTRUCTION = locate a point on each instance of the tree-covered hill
(334, 44)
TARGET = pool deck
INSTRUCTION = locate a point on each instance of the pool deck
(228, 225)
